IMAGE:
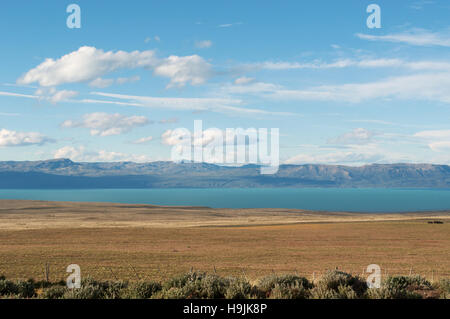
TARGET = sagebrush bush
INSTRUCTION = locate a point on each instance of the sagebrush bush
(284, 282)
(54, 292)
(20, 289)
(195, 285)
(337, 284)
(404, 282)
(290, 291)
(391, 293)
(444, 287)
(238, 288)
(141, 290)
(7, 287)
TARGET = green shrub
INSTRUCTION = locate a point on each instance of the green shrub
(290, 291)
(339, 285)
(444, 287)
(238, 289)
(85, 292)
(195, 285)
(54, 292)
(404, 282)
(171, 293)
(25, 289)
(141, 290)
(114, 289)
(7, 287)
(392, 293)
(285, 282)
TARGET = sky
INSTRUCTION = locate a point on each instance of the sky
(338, 91)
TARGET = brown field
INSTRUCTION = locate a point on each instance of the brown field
(113, 241)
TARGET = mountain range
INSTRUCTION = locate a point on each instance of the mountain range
(64, 173)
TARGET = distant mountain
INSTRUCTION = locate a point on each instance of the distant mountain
(63, 173)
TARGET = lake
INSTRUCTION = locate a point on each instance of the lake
(328, 199)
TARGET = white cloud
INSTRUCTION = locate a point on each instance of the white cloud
(86, 64)
(203, 44)
(443, 146)
(437, 140)
(14, 138)
(181, 70)
(89, 64)
(143, 140)
(432, 87)
(53, 95)
(358, 136)
(130, 79)
(418, 37)
(221, 105)
(28, 96)
(227, 25)
(168, 121)
(103, 83)
(347, 63)
(243, 80)
(104, 124)
(81, 154)
(433, 134)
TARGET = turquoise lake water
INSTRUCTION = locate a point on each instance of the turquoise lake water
(356, 200)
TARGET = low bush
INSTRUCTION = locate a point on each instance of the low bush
(286, 285)
(238, 288)
(141, 290)
(339, 285)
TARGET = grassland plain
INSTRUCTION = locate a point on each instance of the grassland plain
(133, 242)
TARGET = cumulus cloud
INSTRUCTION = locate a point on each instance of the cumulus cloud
(14, 138)
(86, 64)
(104, 124)
(53, 95)
(89, 64)
(81, 154)
(181, 70)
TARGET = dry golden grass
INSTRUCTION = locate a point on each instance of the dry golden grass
(113, 241)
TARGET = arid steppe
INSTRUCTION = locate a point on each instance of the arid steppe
(118, 241)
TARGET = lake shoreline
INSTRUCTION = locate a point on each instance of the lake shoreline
(32, 214)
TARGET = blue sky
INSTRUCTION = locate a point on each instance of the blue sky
(339, 92)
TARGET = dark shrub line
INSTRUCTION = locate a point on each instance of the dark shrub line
(200, 285)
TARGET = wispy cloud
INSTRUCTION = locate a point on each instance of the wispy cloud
(203, 44)
(418, 37)
(221, 105)
(227, 25)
